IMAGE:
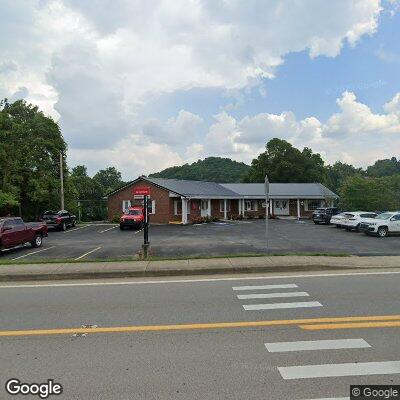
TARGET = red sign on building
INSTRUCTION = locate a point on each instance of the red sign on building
(141, 191)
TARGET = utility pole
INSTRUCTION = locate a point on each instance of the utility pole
(266, 186)
(61, 180)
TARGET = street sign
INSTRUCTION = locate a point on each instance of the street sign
(141, 191)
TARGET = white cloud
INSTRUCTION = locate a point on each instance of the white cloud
(122, 52)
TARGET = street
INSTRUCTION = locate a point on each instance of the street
(295, 336)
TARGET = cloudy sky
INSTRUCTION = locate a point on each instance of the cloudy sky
(143, 85)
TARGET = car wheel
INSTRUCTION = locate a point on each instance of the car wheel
(337, 226)
(63, 226)
(121, 227)
(37, 241)
(73, 224)
(382, 231)
(357, 228)
(316, 222)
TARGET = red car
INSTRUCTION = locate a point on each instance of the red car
(132, 218)
(14, 231)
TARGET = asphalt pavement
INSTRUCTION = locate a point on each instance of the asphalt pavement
(106, 241)
(297, 336)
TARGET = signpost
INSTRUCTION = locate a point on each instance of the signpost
(266, 186)
(145, 192)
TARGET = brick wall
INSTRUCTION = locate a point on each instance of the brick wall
(161, 197)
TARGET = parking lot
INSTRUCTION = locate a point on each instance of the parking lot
(107, 241)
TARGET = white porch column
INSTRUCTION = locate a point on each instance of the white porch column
(243, 207)
(298, 209)
(184, 211)
(225, 214)
(209, 208)
(240, 206)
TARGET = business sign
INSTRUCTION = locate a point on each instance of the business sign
(141, 191)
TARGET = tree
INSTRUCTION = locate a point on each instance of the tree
(89, 194)
(370, 194)
(30, 146)
(385, 167)
(109, 179)
(284, 163)
(337, 173)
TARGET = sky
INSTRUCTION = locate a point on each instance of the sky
(144, 85)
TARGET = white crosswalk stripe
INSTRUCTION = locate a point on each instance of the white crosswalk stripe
(275, 306)
(271, 295)
(309, 345)
(266, 287)
(337, 370)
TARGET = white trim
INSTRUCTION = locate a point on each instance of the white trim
(124, 203)
(153, 207)
(176, 207)
(253, 205)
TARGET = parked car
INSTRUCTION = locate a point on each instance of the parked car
(132, 218)
(353, 219)
(338, 219)
(324, 215)
(14, 231)
(382, 225)
(59, 219)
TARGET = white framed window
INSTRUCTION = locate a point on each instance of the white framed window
(178, 207)
(251, 205)
(311, 205)
(222, 205)
(152, 206)
(125, 205)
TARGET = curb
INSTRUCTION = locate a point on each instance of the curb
(177, 272)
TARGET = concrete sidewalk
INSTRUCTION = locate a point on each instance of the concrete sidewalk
(92, 270)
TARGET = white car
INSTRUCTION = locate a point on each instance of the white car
(338, 219)
(353, 220)
(382, 225)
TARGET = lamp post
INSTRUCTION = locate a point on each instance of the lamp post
(266, 186)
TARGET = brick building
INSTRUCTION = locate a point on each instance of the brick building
(174, 200)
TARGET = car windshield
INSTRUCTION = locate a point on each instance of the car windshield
(50, 213)
(384, 216)
(133, 212)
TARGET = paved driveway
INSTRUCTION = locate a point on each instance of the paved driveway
(285, 236)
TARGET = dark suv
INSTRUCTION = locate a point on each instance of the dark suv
(324, 215)
(59, 219)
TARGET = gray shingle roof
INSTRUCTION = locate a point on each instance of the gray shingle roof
(302, 190)
(193, 188)
(238, 190)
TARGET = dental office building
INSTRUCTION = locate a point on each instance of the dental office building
(174, 200)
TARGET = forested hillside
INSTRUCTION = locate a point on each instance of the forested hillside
(213, 169)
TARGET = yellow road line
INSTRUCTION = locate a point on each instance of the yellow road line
(352, 325)
(181, 327)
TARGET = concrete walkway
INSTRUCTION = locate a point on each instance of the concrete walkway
(92, 270)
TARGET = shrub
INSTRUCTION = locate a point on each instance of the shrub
(115, 218)
(196, 220)
(261, 216)
(250, 216)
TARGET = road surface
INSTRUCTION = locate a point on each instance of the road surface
(296, 336)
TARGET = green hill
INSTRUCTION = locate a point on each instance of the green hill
(212, 169)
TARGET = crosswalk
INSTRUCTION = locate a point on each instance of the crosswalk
(271, 294)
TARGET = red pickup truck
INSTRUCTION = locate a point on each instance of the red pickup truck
(14, 231)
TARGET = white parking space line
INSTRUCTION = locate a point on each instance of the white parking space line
(109, 229)
(76, 229)
(336, 370)
(138, 231)
(33, 252)
(89, 252)
(286, 286)
(274, 306)
(307, 345)
(271, 295)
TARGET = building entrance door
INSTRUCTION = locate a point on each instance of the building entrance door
(204, 208)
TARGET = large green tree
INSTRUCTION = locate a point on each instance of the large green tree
(370, 194)
(30, 147)
(386, 167)
(337, 173)
(284, 163)
(109, 179)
